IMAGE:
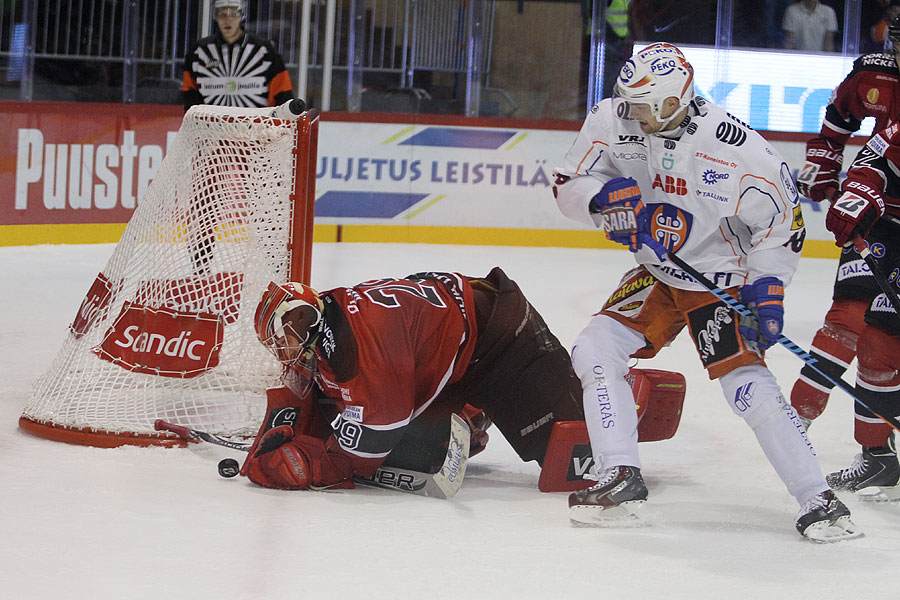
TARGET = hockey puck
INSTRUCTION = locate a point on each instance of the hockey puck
(228, 467)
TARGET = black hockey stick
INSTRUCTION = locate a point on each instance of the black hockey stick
(805, 356)
(862, 247)
(443, 484)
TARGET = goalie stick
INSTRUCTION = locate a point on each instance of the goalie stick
(444, 484)
(805, 356)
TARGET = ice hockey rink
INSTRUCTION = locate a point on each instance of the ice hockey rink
(81, 522)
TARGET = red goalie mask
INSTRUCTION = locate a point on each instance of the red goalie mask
(288, 321)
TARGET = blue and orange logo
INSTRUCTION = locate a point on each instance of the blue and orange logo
(669, 225)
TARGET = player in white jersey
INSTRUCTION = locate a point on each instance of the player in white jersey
(662, 170)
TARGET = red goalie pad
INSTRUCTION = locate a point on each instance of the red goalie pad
(659, 396)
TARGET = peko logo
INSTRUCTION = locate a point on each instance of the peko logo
(163, 342)
(662, 66)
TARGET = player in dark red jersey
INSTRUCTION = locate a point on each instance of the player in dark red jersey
(872, 89)
(379, 367)
(869, 207)
(232, 67)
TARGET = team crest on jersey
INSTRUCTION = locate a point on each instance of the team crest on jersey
(669, 225)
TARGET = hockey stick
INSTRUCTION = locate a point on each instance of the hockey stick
(742, 310)
(862, 247)
(445, 483)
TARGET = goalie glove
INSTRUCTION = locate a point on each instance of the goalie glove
(618, 210)
(286, 461)
(818, 178)
(854, 212)
(765, 299)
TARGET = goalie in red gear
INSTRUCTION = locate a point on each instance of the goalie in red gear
(375, 370)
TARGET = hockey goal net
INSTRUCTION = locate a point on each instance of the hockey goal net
(166, 329)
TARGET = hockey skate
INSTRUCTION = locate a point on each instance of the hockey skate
(824, 518)
(874, 474)
(613, 502)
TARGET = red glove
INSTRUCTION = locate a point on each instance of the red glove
(854, 212)
(819, 176)
(286, 461)
(277, 463)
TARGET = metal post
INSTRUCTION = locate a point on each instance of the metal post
(851, 27)
(303, 57)
(597, 60)
(129, 54)
(355, 51)
(724, 18)
(205, 17)
(474, 56)
(28, 27)
(328, 55)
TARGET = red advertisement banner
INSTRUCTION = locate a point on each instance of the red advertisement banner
(80, 163)
(163, 342)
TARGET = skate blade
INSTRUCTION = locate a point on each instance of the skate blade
(826, 532)
(624, 515)
(879, 493)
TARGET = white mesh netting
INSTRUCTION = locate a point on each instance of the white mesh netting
(166, 330)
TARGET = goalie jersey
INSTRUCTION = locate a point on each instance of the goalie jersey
(717, 193)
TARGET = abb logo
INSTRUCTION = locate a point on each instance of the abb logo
(670, 185)
(162, 341)
(93, 308)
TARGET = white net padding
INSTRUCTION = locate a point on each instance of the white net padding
(166, 329)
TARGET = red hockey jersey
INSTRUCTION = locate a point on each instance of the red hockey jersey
(388, 349)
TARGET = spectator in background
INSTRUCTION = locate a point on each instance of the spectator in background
(878, 32)
(232, 67)
(809, 25)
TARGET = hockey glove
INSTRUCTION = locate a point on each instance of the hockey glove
(765, 299)
(818, 178)
(286, 461)
(618, 210)
(854, 212)
(277, 463)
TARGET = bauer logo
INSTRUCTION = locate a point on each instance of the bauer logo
(163, 342)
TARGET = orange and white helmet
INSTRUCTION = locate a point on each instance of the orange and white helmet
(288, 322)
(657, 72)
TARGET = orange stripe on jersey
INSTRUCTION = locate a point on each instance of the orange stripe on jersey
(187, 82)
(588, 153)
(280, 83)
(727, 241)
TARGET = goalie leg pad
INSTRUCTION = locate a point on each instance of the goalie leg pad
(660, 397)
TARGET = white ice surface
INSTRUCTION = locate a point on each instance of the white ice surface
(78, 522)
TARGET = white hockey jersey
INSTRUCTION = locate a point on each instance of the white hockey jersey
(719, 195)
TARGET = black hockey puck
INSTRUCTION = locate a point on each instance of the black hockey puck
(228, 467)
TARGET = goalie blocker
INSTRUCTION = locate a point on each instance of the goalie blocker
(659, 396)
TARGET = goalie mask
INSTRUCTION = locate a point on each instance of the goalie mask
(288, 322)
(648, 78)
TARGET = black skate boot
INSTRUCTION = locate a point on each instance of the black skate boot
(874, 474)
(612, 502)
(824, 518)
